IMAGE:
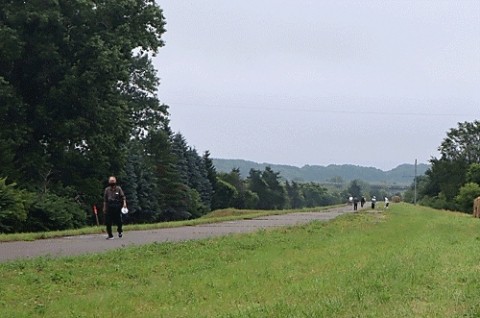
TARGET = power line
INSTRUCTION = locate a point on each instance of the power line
(324, 111)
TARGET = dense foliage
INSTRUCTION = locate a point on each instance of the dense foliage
(12, 208)
(453, 180)
(78, 103)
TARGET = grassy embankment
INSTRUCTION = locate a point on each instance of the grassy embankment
(408, 262)
(213, 217)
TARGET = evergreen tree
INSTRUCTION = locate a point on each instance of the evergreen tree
(257, 185)
(129, 185)
(210, 168)
(275, 191)
(267, 187)
(297, 200)
(193, 174)
(198, 178)
(171, 192)
(354, 189)
(179, 150)
(141, 184)
(212, 178)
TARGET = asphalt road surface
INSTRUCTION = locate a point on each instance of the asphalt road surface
(96, 243)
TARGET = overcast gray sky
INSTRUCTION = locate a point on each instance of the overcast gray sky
(371, 83)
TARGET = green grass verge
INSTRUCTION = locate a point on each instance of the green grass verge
(408, 262)
(213, 217)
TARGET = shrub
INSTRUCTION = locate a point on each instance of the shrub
(50, 212)
(251, 199)
(224, 195)
(465, 197)
(439, 202)
(195, 205)
(170, 214)
(12, 208)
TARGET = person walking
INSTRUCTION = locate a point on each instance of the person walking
(386, 203)
(374, 200)
(362, 201)
(355, 203)
(113, 201)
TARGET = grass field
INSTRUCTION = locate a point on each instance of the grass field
(407, 262)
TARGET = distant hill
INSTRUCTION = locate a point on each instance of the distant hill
(401, 175)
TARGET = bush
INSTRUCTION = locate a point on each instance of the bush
(49, 212)
(439, 202)
(170, 214)
(142, 216)
(12, 208)
(224, 195)
(251, 199)
(465, 197)
(195, 205)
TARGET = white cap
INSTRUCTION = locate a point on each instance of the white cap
(124, 210)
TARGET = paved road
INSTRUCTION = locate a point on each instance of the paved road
(84, 244)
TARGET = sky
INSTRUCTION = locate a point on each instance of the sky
(369, 83)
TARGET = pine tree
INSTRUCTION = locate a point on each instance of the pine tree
(179, 150)
(170, 192)
(295, 196)
(198, 178)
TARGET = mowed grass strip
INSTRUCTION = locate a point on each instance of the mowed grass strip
(405, 262)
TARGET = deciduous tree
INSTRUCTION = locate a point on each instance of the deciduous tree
(76, 82)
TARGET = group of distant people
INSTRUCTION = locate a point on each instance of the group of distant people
(355, 200)
(115, 201)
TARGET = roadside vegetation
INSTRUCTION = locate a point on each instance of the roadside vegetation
(57, 145)
(409, 261)
(453, 180)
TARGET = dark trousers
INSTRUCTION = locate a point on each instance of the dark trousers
(355, 204)
(113, 216)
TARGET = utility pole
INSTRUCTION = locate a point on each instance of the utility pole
(415, 182)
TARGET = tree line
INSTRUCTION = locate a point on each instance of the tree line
(78, 103)
(453, 180)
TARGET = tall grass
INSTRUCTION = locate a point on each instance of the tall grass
(407, 262)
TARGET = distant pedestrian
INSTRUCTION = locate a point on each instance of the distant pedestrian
(374, 200)
(386, 203)
(355, 203)
(362, 201)
(113, 201)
